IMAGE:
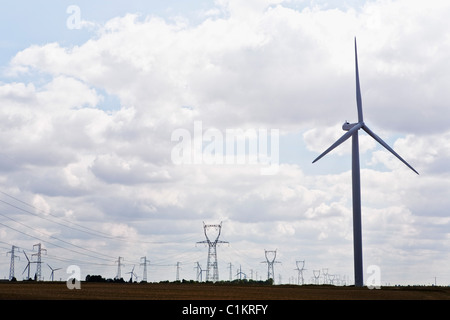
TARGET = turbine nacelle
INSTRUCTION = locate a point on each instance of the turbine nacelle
(347, 126)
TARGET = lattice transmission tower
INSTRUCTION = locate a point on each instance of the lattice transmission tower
(178, 265)
(300, 268)
(270, 260)
(144, 263)
(11, 265)
(119, 270)
(230, 266)
(212, 231)
(39, 260)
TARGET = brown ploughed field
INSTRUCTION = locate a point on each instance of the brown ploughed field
(23, 290)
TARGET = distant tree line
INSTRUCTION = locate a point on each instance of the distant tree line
(99, 278)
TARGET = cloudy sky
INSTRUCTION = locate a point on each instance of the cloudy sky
(94, 96)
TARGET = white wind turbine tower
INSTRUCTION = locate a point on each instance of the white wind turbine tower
(352, 131)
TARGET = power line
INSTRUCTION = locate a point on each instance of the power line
(53, 237)
(44, 237)
(176, 256)
(56, 245)
(90, 231)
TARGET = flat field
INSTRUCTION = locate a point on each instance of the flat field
(23, 290)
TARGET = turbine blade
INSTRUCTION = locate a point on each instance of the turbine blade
(384, 144)
(358, 89)
(28, 265)
(347, 135)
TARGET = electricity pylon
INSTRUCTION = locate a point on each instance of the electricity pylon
(212, 270)
(144, 263)
(39, 260)
(316, 274)
(11, 266)
(119, 273)
(325, 275)
(300, 268)
(178, 270)
(230, 266)
(270, 261)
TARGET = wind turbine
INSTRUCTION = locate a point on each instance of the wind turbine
(53, 271)
(352, 131)
(27, 267)
(132, 274)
